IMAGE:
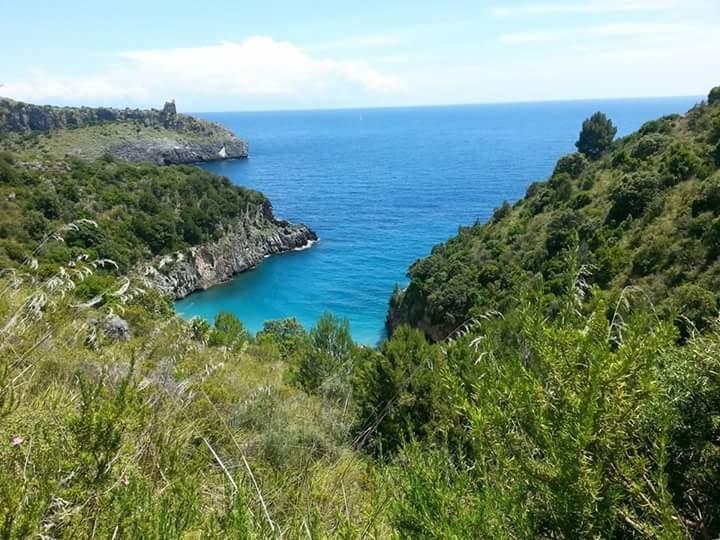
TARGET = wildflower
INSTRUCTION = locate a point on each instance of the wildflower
(124, 481)
(17, 441)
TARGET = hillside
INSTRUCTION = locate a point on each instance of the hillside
(185, 228)
(643, 212)
(159, 136)
(567, 408)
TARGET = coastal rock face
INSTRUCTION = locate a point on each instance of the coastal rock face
(159, 136)
(241, 248)
(167, 151)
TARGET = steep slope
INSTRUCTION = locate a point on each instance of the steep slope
(646, 212)
(158, 136)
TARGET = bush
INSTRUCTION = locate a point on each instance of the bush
(572, 164)
(696, 307)
(326, 355)
(501, 212)
(708, 200)
(650, 145)
(393, 391)
(631, 196)
(227, 331)
(561, 185)
(562, 231)
(682, 163)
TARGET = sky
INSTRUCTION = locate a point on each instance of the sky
(293, 54)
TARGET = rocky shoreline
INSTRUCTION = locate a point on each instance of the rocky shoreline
(241, 248)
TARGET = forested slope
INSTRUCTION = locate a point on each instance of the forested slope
(641, 211)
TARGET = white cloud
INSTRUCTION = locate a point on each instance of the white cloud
(256, 66)
(588, 6)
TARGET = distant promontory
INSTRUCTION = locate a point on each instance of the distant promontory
(158, 136)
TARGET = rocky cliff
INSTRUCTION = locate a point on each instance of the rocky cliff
(242, 247)
(159, 136)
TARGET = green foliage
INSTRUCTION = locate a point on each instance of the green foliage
(714, 96)
(650, 145)
(163, 436)
(572, 428)
(644, 215)
(682, 163)
(573, 164)
(697, 308)
(596, 136)
(631, 196)
(139, 210)
(228, 331)
(392, 391)
(322, 364)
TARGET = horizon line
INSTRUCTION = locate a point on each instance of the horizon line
(441, 105)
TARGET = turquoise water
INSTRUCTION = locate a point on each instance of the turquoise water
(381, 187)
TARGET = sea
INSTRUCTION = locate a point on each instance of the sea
(381, 187)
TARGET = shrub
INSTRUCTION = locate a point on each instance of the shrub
(501, 212)
(650, 145)
(392, 391)
(562, 231)
(561, 185)
(631, 196)
(681, 162)
(572, 164)
(325, 355)
(227, 331)
(696, 308)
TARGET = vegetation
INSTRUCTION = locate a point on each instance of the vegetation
(596, 136)
(577, 397)
(643, 214)
(182, 431)
(120, 211)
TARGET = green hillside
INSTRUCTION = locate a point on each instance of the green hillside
(567, 405)
(641, 211)
(137, 211)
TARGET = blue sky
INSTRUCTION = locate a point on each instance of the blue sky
(285, 54)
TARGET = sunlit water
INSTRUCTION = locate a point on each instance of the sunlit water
(381, 187)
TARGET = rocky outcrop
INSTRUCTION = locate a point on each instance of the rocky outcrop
(241, 248)
(168, 151)
(159, 136)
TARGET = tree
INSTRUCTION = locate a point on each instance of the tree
(228, 331)
(714, 96)
(596, 136)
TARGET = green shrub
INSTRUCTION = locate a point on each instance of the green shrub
(227, 331)
(572, 164)
(682, 163)
(650, 145)
(631, 196)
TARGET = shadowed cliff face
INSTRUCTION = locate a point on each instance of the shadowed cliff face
(159, 136)
(242, 247)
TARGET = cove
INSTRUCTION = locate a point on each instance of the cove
(381, 187)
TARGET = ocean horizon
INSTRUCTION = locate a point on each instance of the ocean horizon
(381, 187)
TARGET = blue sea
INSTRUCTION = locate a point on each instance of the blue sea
(381, 187)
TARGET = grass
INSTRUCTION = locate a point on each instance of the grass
(92, 142)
